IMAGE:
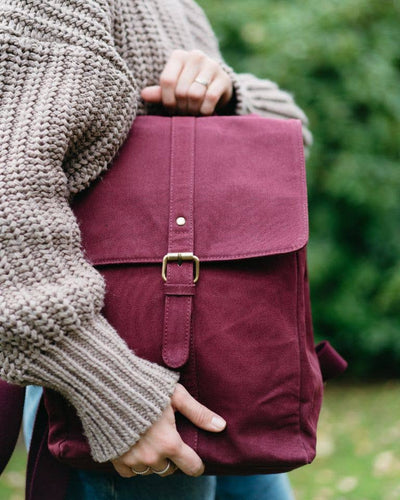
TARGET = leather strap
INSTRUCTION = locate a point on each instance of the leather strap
(179, 288)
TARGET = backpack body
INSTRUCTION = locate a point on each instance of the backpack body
(199, 228)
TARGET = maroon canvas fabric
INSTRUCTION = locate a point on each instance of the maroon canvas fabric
(241, 337)
(331, 363)
(46, 477)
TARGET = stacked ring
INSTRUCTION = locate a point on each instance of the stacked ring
(141, 472)
(159, 472)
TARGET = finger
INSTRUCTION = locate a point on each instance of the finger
(169, 78)
(188, 461)
(197, 413)
(193, 65)
(216, 89)
(140, 468)
(197, 91)
(151, 93)
(123, 470)
(162, 465)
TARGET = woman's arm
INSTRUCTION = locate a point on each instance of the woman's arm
(251, 94)
(67, 102)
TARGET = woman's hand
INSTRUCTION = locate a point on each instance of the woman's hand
(163, 441)
(179, 92)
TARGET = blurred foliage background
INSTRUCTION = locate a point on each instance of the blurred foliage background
(341, 61)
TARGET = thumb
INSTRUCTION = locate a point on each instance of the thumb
(151, 93)
(197, 413)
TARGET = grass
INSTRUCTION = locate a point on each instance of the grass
(358, 453)
(12, 481)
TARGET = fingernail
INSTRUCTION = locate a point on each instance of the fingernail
(218, 423)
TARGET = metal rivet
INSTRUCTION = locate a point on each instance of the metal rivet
(181, 221)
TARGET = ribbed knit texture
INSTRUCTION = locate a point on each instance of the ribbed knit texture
(70, 76)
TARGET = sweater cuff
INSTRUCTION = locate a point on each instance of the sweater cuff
(239, 104)
(263, 97)
(117, 395)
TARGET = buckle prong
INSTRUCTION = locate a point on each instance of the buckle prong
(180, 257)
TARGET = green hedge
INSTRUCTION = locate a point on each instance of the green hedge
(341, 61)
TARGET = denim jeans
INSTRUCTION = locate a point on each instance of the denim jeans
(89, 485)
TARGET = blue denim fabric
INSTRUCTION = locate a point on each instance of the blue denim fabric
(88, 485)
(33, 394)
(258, 487)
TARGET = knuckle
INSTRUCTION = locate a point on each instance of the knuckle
(225, 77)
(213, 64)
(167, 81)
(125, 474)
(207, 110)
(213, 97)
(127, 462)
(172, 447)
(153, 461)
(195, 95)
(179, 53)
(150, 458)
(180, 93)
(201, 416)
(169, 105)
(131, 463)
(180, 388)
(179, 395)
(122, 471)
(197, 54)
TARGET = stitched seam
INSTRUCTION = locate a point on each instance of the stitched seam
(186, 341)
(302, 167)
(300, 435)
(191, 218)
(165, 346)
(171, 191)
(191, 326)
(209, 258)
(166, 356)
(196, 435)
(178, 292)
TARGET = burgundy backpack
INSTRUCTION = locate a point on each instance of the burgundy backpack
(200, 228)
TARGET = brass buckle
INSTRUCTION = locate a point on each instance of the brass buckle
(181, 256)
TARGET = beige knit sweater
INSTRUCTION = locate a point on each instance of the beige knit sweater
(70, 76)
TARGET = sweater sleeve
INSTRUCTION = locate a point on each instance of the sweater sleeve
(67, 102)
(251, 94)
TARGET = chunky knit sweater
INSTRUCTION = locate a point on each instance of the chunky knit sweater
(71, 72)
